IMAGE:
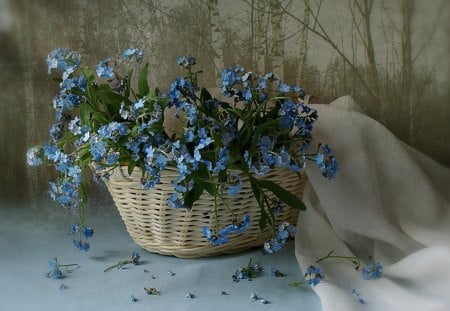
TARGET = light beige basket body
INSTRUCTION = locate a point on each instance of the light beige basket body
(159, 228)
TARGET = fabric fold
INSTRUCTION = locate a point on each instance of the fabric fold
(389, 202)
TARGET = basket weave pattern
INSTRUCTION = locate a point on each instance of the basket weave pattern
(161, 229)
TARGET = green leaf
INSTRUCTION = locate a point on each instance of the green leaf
(259, 196)
(143, 82)
(131, 166)
(263, 220)
(134, 130)
(84, 191)
(193, 195)
(157, 91)
(204, 95)
(256, 189)
(284, 195)
(111, 100)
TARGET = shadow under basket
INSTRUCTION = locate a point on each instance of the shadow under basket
(158, 228)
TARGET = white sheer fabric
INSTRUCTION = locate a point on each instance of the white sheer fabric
(388, 201)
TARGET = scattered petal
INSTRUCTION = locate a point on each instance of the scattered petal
(135, 258)
(62, 287)
(276, 273)
(189, 296)
(152, 291)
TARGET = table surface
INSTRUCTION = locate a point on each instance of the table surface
(31, 235)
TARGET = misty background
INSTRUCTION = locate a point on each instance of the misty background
(392, 57)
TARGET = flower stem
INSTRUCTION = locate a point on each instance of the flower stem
(66, 267)
(119, 264)
(354, 260)
(297, 284)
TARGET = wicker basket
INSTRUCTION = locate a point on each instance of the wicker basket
(161, 229)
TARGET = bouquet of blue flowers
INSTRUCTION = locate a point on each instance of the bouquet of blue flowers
(107, 117)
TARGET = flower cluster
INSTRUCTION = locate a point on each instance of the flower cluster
(285, 231)
(221, 236)
(102, 121)
(55, 272)
(135, 257)
(314, 275)
(246, 273)
(372, 271)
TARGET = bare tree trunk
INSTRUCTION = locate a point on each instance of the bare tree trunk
(277, 53)
(303, 46)
(82, 12)
(407, 65)
(368, 4)
(216, 36)
(252, 33)
(365, 10)
(261, 36)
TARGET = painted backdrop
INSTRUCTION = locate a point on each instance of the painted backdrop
(391, 56)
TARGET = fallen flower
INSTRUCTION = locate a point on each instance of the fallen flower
(134, 260)
(152, 291)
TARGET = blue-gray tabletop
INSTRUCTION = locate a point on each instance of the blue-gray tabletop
(32, 235)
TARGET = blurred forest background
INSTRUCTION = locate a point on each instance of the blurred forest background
(392, 57)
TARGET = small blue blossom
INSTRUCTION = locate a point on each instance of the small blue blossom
(247, 95)
(175, 201)
(189, 135)
(33, 158)
(124, 112)
(139, 103)
(98, 149)
(81, 245)
(276, 243)
(222, 163)
(214, 239)
(130, 54)
(75, 82)
(87, 232)
(315, 275)
(75, 126)
(56, 131)
(104, 70)
(135, 257)
(57, 60)
(235, 184)
(186, 61)
(283, 88)
(54, 272)
(326, 162)
(372, 271)
(112, 158)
